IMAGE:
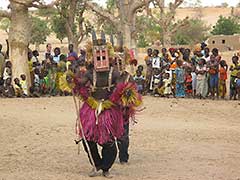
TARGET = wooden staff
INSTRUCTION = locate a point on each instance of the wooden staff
(82, 132)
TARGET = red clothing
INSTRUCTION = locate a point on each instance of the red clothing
(223, 73)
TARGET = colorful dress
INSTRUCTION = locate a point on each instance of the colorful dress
(180, 74)
(222, 82)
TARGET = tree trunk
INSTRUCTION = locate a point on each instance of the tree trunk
(37, 46)
(127, 36)
(19, 35)
(119, 40)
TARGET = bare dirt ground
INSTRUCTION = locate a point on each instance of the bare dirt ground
(175, 139)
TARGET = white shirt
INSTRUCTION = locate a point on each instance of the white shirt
(156, 62)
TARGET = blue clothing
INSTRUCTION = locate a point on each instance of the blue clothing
(180, 88)
(213, 80)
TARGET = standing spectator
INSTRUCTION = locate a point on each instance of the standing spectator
(201, 71)
(167, 85)
(188, 82)
(34, 59)
(215, 53)
(139, 79)
(234, 68)
(180, 77)
(237, 81)
(56, 56)
(156, 62)
(48, 51)
(213, 67)
(222, 79)
(148, 61)
(207, 54)
(72, 56)
(2, 61)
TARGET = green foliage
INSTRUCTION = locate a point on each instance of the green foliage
(39, 31)
(147, 31)
(46, 13)
(5, 24)
(111, 4)
(58, 27)
(142, 42)
(226, 26)
(196, 31)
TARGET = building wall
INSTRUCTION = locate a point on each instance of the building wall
(224, 42)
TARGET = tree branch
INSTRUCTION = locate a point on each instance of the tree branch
(5, 14)
(101, 12)
(40, 5)
(183, 23)
(139, 4)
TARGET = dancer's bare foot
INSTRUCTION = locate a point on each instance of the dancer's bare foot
(107, 174)
(93, 173)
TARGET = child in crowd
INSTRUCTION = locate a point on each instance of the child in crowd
(237, 81)
(35, 90)
(180, 79)
(222, 79)
(139, 79)
(155, 82)
(156, 63)
(234, 68)
(188, 82)
(8, 90)
(194, 81)
(148, 61)
(63, 83)
(44, 79)
(167, 85)
(23, 83)
(213, 67)
(201, 71)
(52, 78)
(18, 88)
(7, 73)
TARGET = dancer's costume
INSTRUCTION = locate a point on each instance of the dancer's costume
(104, 97)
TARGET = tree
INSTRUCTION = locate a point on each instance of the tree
(122, 17)
(57, 24)
(165, 18)
(226, 26)
(39, 31)
(76, 26)
(224, 4)
(148, 30)
(196, 31)
(19, 33)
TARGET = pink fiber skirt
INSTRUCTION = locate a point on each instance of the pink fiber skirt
(110, 124)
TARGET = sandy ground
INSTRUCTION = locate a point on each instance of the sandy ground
(173, 140)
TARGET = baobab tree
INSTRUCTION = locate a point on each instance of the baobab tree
(123, 18)
(20, 32)
(166, 19)
(76, 26)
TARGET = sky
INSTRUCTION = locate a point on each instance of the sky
(4, 3)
